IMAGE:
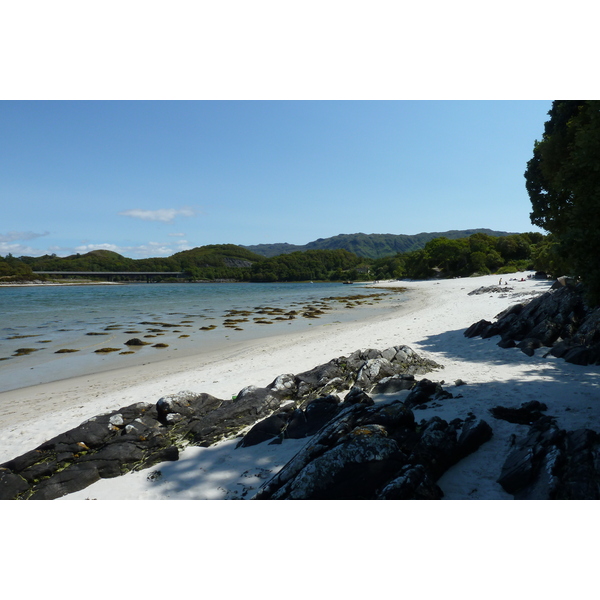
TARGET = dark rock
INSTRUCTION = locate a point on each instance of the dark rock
(357, 396)
(558, 319)
(529, 346)
(284, 386)
(135, 342)
(369, 452)
(507, 343)
(475, 432)
(186, 404)
(436, 447)
(411, 483)
(267, 429)
(142, 435)
(424, 391)
(551, 463)
(350, 470)
(394, 384)
(523, 463)
(580, 355)
(72, 479)
(393, 416)
(526, 414)
(478, 329)
(11, 485)
(580, 476)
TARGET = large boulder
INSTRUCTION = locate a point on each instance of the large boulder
(549, 463)
(376, 451)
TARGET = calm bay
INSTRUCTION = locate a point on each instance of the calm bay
(48, 333)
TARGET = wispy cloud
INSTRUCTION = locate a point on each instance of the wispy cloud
(13, 236)
(90, 247)
(143, 251)
(165, 215)
(177, 234)
(17, 250)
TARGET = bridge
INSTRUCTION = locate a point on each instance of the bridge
(110, 275)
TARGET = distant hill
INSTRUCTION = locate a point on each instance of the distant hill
(214, 261)
(374, 245)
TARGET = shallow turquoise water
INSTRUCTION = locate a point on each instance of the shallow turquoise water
(46, 319)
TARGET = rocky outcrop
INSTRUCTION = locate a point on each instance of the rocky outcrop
(559, 319)
(143, 434)
(376, 451)
(549, 463)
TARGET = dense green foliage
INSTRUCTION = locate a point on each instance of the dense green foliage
(479, 253)
(225, 261)
(375, 245)
(563, 182)
(440, 257)
(13, 269)
(310, 265)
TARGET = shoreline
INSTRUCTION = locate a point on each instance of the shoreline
(73, 355)
(431, 321)
(221, 372)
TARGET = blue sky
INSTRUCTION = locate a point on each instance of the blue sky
(149, 178)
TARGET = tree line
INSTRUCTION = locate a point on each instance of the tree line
(441, 257)
(478, 254)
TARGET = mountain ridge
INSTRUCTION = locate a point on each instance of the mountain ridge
(372, 245)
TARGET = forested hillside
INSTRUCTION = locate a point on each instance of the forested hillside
(310, 265)
(441, 257)
(374, 245)
(225, 261)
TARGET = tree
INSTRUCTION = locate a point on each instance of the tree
(563, 182)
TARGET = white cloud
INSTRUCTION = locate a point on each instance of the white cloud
(13, 236)
(177, 234)
(17, 250)
(165, 215)
(90, 247)
(143, 251)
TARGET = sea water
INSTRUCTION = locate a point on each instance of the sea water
(38, 322)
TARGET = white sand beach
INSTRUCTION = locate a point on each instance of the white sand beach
(431, 321)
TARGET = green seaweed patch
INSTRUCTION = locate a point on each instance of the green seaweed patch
(160, 346)
(5, 358)
(97, 333)
(208, 328)
(127, 352)
(132, 331)
(25, 351)
(184, 336)
(66, 350)
(22, 337)
(106, 350)
(44, 341)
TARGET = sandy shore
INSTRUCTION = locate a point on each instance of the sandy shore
(431, 320)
